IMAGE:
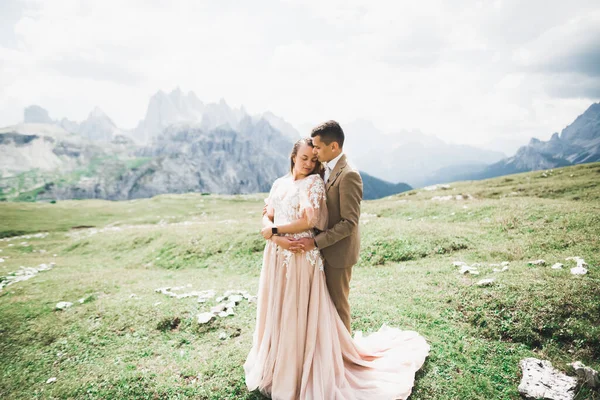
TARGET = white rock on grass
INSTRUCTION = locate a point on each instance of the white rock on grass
(579, 271)
(51, 380)
(442, 198)
(557, 266)
(580, 261)
(541, 380)
(505, 263)
(63, 305)
(485, 282)
(465, 268)
(23, 274)
(206, 317)
(586, 375)
(218, 308)
(458, 263)
(504, 269)
(537, 262)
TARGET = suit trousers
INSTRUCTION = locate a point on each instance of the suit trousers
(338, 284)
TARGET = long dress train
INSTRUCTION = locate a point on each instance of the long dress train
(301, 348)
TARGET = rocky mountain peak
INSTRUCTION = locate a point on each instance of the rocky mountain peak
(97, 113)
(36, 114)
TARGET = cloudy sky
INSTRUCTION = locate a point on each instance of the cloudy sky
(477, 72)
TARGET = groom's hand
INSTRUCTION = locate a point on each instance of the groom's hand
(306, 244)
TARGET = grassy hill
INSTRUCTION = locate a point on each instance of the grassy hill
(115, 345)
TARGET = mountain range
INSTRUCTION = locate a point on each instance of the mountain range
(182, 145)
(578, 143)
(185, 145)
(409, 156)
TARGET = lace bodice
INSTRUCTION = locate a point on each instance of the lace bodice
(290, 200)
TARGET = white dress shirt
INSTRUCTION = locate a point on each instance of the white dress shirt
(330, 165)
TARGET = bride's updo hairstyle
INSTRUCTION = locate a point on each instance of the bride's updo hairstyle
(307, 141)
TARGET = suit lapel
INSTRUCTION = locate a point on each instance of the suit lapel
(339, 167)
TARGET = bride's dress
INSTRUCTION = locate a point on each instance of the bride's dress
(301, 348)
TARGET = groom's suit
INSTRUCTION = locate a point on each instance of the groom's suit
(340, 243)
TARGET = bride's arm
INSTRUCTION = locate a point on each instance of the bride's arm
(267, 219)
(297, 226)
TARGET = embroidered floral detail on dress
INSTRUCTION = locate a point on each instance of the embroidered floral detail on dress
(314, 258)
(289, 199)
(316, 192)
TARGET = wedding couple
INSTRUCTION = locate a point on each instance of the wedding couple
(302, 345)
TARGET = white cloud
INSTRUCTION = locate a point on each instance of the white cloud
(467, 71)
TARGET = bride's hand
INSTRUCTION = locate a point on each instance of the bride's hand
(288, 244)
(267, 232)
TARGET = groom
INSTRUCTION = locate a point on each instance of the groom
(340, 243)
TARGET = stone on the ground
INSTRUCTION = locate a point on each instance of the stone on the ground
(557, 266)
(23, 274)
(204, 318)
(51, 380)
(579, 271)
(505, 268)
(458, 263)
(586, 375)
(236, 298)
(218, 308)
(580, 261)
(505, 263)
(485, 282)
(465, 268)
(537, 262)
(541, 380)
(223, 336)
(442, 198)
(62, 305)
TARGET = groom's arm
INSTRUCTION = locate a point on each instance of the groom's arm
(351, 192)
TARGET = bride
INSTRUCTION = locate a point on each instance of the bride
(301, 348)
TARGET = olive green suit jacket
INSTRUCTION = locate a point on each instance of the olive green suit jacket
(340, 243)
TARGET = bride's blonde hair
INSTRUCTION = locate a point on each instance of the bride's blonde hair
(307, 141)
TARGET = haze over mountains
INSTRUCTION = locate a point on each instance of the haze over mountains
(409, 156)
(183, 144)
(578, 143)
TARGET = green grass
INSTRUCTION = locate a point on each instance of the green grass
(115, 346)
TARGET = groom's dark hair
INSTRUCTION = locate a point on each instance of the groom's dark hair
(329, 131)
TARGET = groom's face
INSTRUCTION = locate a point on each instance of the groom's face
(324, 152)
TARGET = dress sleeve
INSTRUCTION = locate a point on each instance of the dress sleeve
(314, 204)
(269, 201)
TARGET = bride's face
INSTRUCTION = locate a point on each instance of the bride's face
(305, 160)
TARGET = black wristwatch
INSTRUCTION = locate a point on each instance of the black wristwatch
(274, 230)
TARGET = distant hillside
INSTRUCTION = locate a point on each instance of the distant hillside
(578, 143)
(375, 188)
